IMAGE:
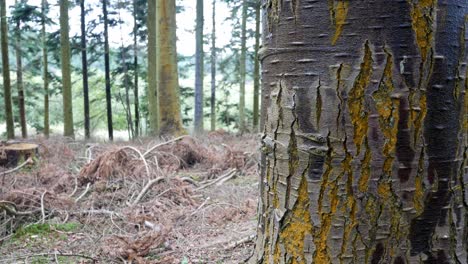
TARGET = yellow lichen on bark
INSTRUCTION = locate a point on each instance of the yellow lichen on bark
(422, 16)
(418, 198)
(338, 13)
(387, 107)
(298, 225)
(356, 100)
(365, 170)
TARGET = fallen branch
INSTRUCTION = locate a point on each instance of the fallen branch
(28, 161)
(164, 143)
(229, 174)
(84, 193)
(146, 188)
(142, 157)
(11, 209)
(200, 207)
(53, 254)
(239, 242)
(43, 207)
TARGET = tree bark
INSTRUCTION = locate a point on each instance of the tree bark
(66, 73)
(19, 81)
(167, 72)
(45, 74)
(135, 67)
(198, 120)
(213, 69)
(153, 107)
(84, 63)
(365, 139)
(242, 63)
(110, 127)
(6, 73)
(256, 98)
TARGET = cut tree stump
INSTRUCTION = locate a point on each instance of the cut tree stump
(12, 154)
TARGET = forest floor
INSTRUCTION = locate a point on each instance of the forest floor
(188, 200)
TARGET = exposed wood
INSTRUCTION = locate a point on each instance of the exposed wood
(13, 154)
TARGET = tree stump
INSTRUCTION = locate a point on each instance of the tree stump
(13, 154)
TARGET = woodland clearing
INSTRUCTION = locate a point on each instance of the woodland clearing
(185, 200)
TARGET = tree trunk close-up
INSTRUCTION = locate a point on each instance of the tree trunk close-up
(364, 156)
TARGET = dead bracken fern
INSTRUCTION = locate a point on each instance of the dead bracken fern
(104, 166)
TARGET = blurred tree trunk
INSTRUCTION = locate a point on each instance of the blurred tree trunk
(167, 73)
(242, 72)
(66, 74)
(6, 73)
(213, 68)
(198, 120)
(19, 79)
(84, 63)
(45, 74)
(110, 128)
(256, 98)
(153, 107)
(366, 132)
(135, 69)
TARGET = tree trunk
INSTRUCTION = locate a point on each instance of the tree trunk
(256, 98)
(6, 73)
(110, 128)
(198, 120)
(366, 132)
(84, 63)
(19, 81)
(213, 69)
(135, 67)
(242, 72)
(167, 73)
(66, 74)
(45, 74)
(153, 107)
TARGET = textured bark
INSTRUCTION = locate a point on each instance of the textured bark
(213, 68)
(135, 67)
(45, 65)
(256, 98)
(167, 73)
(198, 120)
(365, 141)
(153, 107)
(6, 73)
(66, 74)
(19, 81)
(242, 63)
(110, 128)
(84, 63)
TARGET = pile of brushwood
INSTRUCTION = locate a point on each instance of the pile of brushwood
(140, 202)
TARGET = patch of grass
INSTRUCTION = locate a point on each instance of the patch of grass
(44, 229)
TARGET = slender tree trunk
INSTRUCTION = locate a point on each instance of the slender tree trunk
(128, 109)
(366, 133)
(84, 63)
(110, 128)
(45, 74)
(256, 98)
(198, 120)
(213, 68)
(167, 73)
(66, 74)
(135, 67)
(19, 81)
(242, 72)
(153, 107)
(6, 73)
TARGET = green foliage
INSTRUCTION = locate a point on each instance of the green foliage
(44, 229)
